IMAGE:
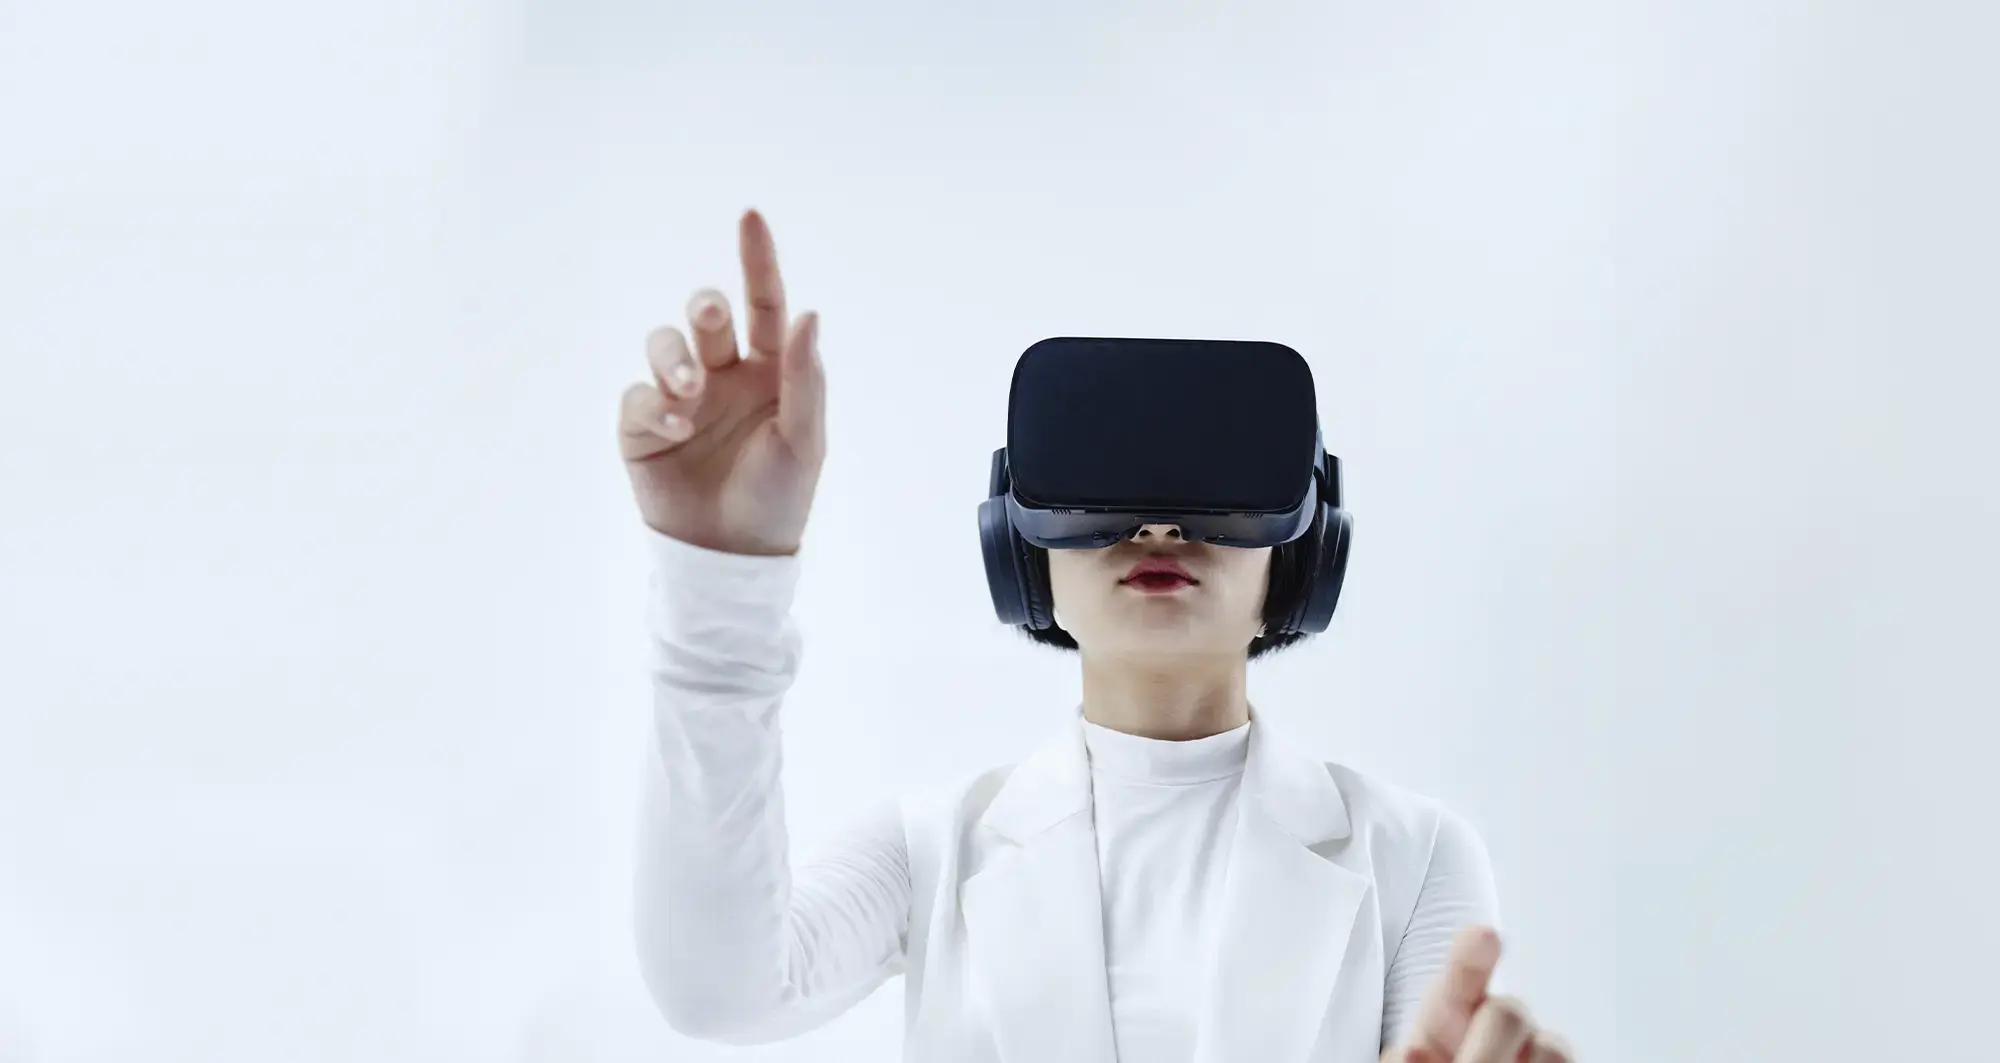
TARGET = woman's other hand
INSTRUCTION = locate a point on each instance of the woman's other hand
(724, 446)
(1460, 1023)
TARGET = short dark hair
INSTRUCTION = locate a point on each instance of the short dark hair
(1282, 592)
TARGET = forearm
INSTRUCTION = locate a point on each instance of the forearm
(731, 947)
(713, 881)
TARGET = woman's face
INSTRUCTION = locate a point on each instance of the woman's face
(1156, 593)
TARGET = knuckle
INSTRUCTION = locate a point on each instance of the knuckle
(1506, 1013)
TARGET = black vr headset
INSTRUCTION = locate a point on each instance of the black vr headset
(1217, 437)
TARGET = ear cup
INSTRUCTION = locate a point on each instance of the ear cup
(1035, 587)
(1326, 570)
(1017, 574)
(1322, 565)
(1006, 567)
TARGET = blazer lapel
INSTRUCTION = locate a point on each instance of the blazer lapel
(1034, 920)
(1286, 911)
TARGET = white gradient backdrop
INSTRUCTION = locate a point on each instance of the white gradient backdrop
(1659, 340)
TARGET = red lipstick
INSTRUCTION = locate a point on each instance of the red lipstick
(1158, 574)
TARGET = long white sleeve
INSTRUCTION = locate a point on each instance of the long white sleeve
(733, 946)
(1458, 891)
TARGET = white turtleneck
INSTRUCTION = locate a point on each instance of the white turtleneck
(1165, 815)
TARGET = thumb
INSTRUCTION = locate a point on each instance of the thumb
(802, 387)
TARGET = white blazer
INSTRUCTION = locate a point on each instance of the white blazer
(1342, 893)
(1006, 960)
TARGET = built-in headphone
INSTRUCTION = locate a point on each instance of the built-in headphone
(1017, 572)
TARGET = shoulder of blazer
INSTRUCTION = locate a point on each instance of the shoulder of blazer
(936, 818)
(1398, 823)
(1399, 830)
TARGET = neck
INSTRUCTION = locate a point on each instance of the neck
(1181, 700)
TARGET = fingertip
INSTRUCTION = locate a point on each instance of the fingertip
(708, 309)
(1479, 944)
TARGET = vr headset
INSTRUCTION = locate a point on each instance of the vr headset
(1217, 437)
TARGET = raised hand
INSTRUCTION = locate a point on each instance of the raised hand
(1459, 1023)
(724, 446)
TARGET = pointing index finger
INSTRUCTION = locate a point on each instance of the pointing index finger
(763, 286)
(1448, 1009)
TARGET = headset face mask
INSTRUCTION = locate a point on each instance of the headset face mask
(1106, 436)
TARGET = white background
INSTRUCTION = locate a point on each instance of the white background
(1659, 342)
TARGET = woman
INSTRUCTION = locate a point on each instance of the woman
(1166, 879)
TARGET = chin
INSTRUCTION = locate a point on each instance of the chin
(1152, 631)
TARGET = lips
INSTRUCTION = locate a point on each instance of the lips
(1158, 573)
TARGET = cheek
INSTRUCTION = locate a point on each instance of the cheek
(1249, 578)
(1070, 582)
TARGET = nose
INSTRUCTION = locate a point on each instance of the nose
(1158, 531)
